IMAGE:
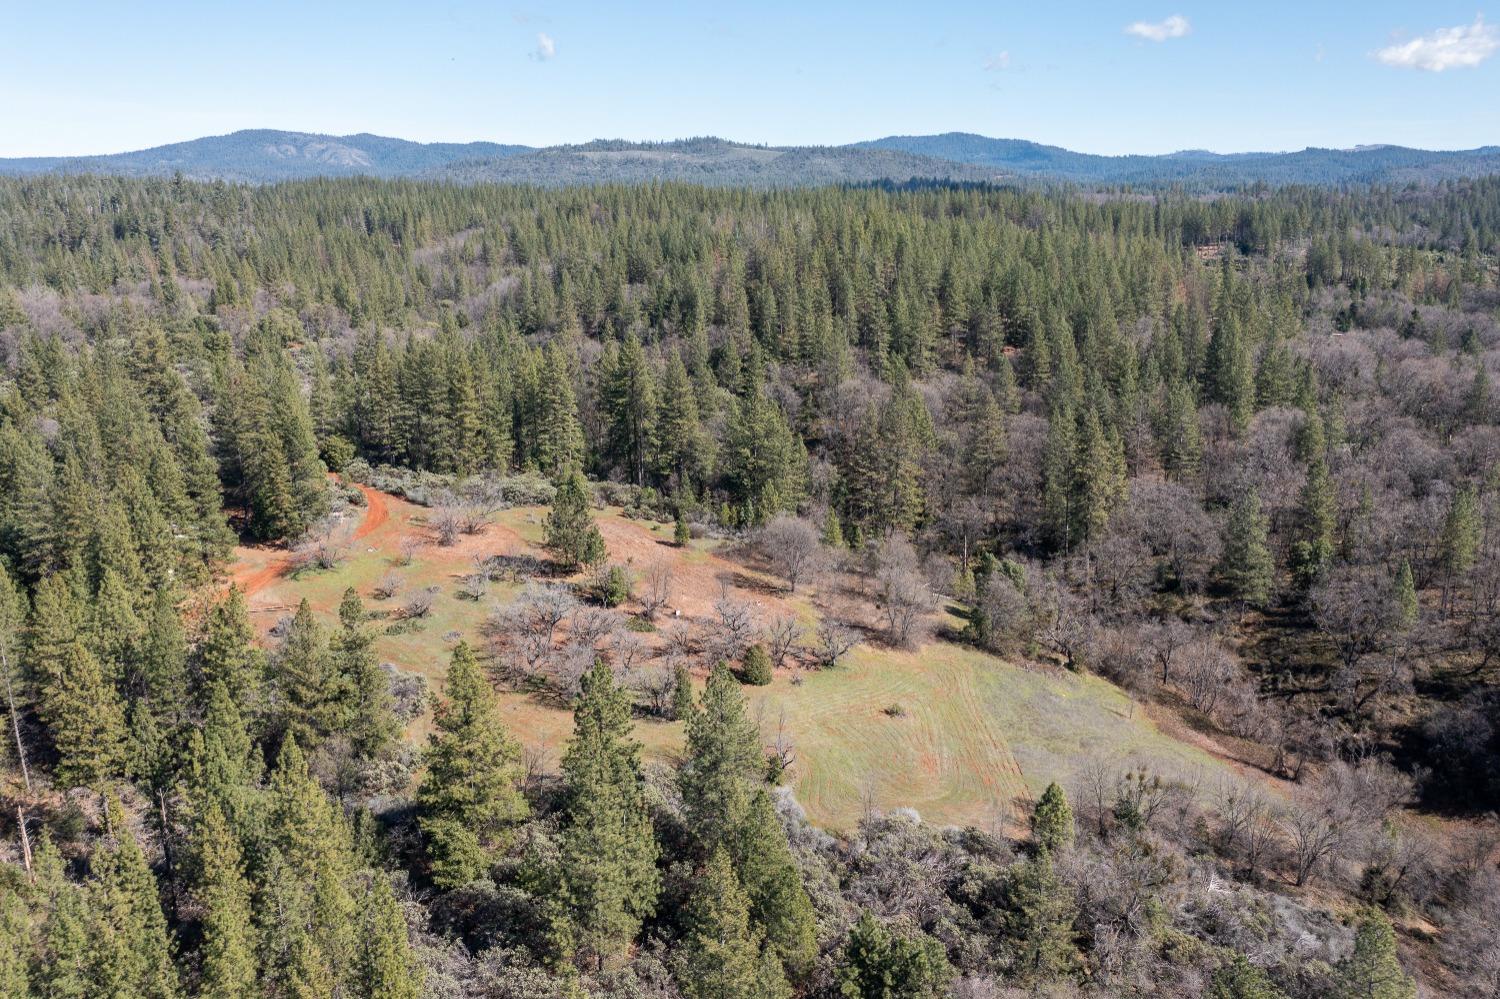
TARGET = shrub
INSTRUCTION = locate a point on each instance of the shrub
(338, 452)
(614, 588)
(756, 668)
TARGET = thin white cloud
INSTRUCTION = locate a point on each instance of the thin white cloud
(546, 47)
(1463, 47)
(998, 62)
(1159, 31)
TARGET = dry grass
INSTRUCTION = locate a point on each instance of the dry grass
(974, 740)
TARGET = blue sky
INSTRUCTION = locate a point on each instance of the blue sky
(1129, 76)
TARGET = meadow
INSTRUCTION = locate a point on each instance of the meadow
(958, 735)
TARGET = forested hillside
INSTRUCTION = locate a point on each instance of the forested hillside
(1237, 455)
(269, 155)
(1200, 170)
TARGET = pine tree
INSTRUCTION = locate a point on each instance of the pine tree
(15, 940)
(559, 439)
(724, 760)
(1408, 607)
(765, 464)
(1239, 979)
(1458, 545)
(1100, 476)
(1037, 922)
(311, 840)
(833, 531)
(66, 958)
(1246, 567)
(160, 676)
(1373, 971)
(629, 401)
(684, 706)
(1312, 545)
(367, 715)
(127, 925)
(1182, 443)
(12, 685)
(1230, 381)
(721, 955)
(468, 799)
(779, 904)
(307, 681)
(683, 449)
(608, 850)
(571, 533)
(386, 969)
(1059, 458)
(228, 949)
(879, 964)
(1052, 820)
(226, 654)
(82, 710)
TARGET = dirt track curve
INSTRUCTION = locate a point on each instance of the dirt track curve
(377, 512)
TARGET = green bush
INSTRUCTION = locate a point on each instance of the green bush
(756, 669)
(615, 589)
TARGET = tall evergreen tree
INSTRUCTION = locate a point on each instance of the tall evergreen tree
(1246, 566)
(1312, 545)
(629, 401)
(608, 847)
(367, 716)
(81, 708)
(721, 956)
(1037, 922)
(134, 956)
(879, 964)
(1373, 970)
(226, 653)
(228, 949)
(386, 969)
(468, 799)
(724, 761)
(571, 533)
(1052, 820)
(307, 681)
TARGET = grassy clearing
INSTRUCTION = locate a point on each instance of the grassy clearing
(958, 735)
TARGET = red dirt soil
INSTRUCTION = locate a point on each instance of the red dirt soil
(252, 573)
(377, 511)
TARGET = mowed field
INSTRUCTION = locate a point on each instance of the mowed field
(960, 736)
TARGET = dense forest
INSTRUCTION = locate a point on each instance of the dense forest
(1239, 455)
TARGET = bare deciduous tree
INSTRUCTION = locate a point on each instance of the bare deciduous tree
(832, 642)
(324, 546)
(656, 588)
(475, 585)
(733, 631)
(446, 522)
(781, 637)
(419, 604)
(904, 596)
(793, 548)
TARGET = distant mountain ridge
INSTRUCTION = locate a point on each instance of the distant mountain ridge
(265, 155)
(268, 156)
(1366, 164)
